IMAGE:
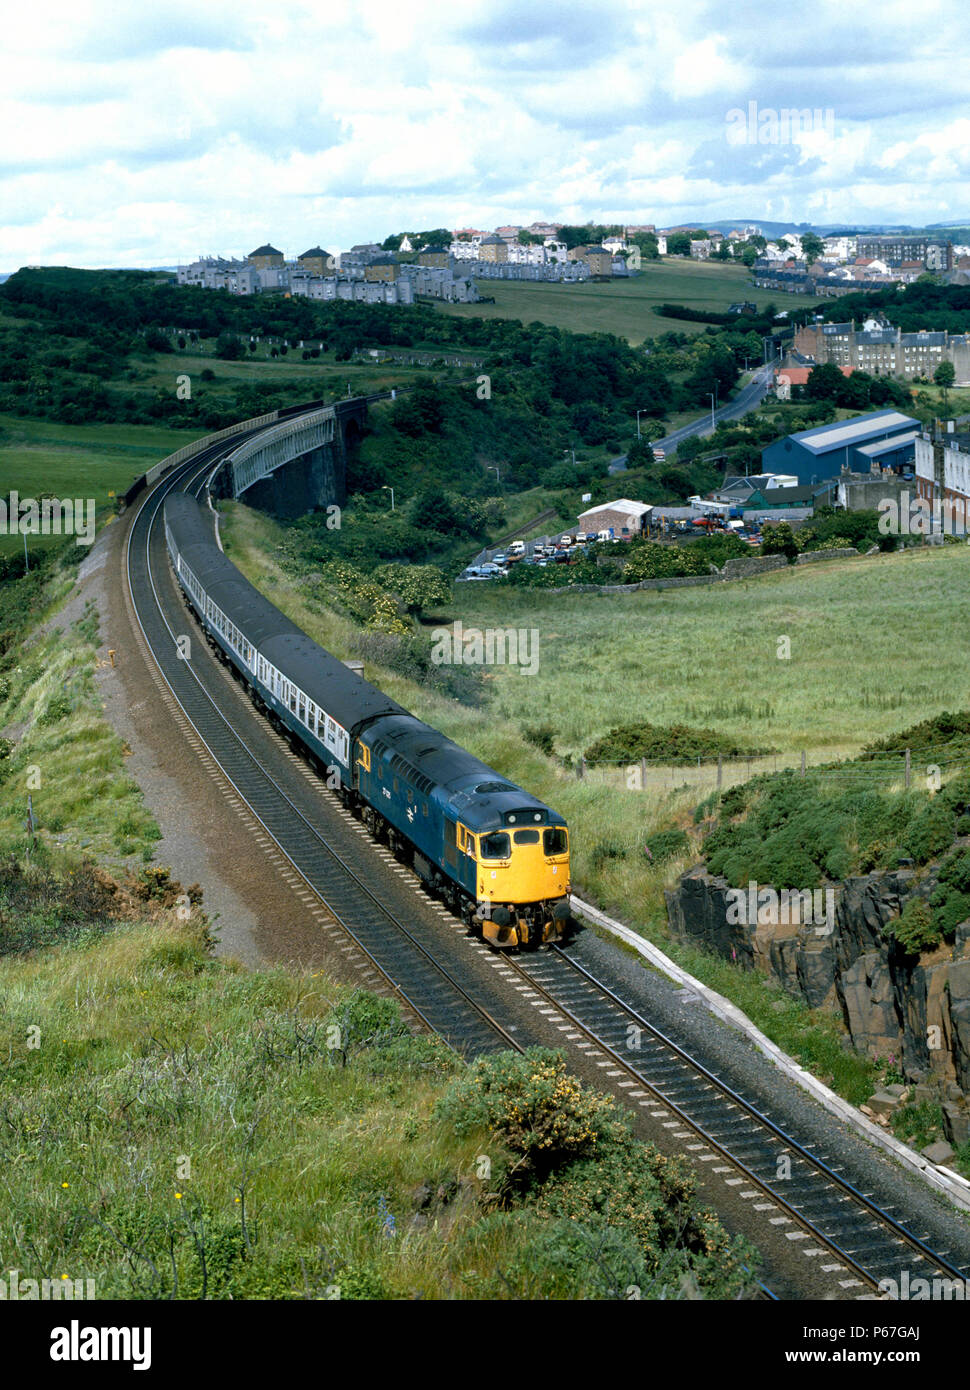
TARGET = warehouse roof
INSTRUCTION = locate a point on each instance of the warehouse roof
(623, 504)
(853, 432)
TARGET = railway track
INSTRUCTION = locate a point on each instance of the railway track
(674, 1088)
(427, 985)
(849, 1235)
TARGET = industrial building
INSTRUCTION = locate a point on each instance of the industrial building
(883, 438)
(621, 518)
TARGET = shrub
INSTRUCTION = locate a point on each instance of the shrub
(667, 844)
(931, 831)
(914, 928)
(541, 737)
(669, 742)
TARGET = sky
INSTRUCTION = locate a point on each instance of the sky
(148, 134)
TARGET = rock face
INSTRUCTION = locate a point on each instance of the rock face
(894, 1006)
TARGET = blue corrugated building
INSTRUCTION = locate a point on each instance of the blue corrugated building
(886, 437)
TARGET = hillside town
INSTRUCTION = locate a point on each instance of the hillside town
(407, 266)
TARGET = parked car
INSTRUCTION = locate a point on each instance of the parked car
(500, 558)
(517, 548)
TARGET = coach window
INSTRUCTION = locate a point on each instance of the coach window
(293, 698)
(302, 709)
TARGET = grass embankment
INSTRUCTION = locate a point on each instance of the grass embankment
(625, 307)
(690, 656)
(175, 1126)
(57, 748)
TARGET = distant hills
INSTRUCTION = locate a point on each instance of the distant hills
(777, 229)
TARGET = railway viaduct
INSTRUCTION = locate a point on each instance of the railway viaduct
(299, 463)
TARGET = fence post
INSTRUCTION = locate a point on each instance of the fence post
(719, 769)
(803, 762)
(907, 769)
(643, 773)
(581, 768)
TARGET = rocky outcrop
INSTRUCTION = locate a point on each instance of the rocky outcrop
(915, 1012)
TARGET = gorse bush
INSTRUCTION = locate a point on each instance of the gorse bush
(914, 928)
(650, 560)
(795, 830)
(670, 742)
(571, 1156)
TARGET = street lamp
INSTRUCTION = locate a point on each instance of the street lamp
(711, 395)
(498, 476)
(385, 487)
(643, 411)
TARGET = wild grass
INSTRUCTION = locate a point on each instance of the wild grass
(624, 307)
(64, 756)
(172, 1126)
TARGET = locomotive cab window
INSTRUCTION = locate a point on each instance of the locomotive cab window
(364, 759)
(526, 837)
(554, 840)
(495, 846)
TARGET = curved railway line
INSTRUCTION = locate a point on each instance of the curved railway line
(427, 986)
(784, 1181)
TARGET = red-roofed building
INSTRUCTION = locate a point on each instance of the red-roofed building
(787, 377)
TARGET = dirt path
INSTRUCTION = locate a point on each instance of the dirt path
(259, 915)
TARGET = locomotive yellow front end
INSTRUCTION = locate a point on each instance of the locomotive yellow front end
(523, 884)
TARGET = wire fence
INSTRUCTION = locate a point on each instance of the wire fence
(901, 769)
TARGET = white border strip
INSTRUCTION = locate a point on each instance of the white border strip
(944, 1180)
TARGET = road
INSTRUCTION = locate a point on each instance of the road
(748, 398)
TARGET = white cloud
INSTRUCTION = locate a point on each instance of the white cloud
(142, 135)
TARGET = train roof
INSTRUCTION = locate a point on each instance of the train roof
(479, 795)
(344, 695)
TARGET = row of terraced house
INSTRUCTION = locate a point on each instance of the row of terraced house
(366, 274)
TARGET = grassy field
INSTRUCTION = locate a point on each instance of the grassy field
(43, 456)
(626, 307)
(325, 377)
(707, 656)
